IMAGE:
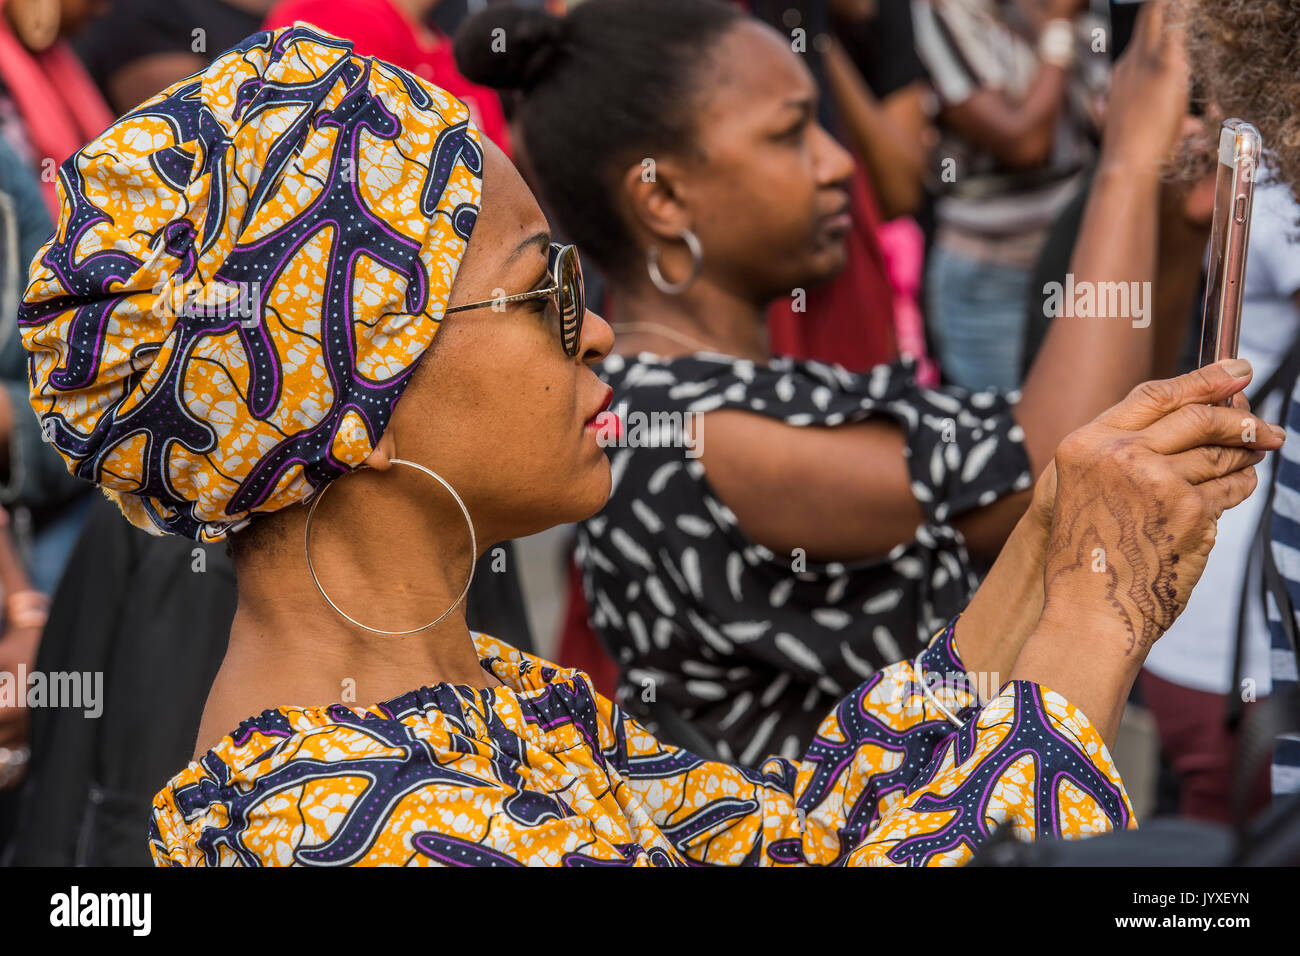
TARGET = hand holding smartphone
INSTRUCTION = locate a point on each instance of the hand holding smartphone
(1234, 193)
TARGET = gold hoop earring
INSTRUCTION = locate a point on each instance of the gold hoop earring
(473, 554)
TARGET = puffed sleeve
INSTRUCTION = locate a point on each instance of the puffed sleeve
(890, 779)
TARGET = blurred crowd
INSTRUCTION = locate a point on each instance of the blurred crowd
(970, 145)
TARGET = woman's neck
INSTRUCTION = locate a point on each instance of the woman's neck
(704, 317)
(387, 560)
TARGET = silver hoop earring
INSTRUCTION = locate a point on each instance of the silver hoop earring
(697, 261)
(473, 554)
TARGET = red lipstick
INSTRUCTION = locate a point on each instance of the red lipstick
(604, 422)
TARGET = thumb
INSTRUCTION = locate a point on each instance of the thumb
(1153, 400)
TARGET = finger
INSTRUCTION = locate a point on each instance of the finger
(1212, 461)
(1148, 26)
(1194, 425)
(1241, 402)
(1229, 491)
(1154, 28)
(1153, 400)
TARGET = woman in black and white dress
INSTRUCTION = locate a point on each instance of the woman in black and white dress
(802, 525)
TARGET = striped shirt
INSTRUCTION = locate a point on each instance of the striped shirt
(1285, 531)
(972, 45)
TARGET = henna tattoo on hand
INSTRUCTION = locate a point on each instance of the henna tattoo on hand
(1141, 588)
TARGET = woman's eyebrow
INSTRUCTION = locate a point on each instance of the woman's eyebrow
(804, 105)
(540, 239)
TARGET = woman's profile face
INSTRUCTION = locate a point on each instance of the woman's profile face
(496, 406)
(768, 194)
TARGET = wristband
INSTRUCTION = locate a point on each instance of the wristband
(1056, 43)
(26, 608)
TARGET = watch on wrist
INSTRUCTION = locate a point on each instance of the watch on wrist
(1056, 43)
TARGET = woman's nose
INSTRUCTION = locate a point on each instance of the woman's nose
(836, 164)
(597, 338)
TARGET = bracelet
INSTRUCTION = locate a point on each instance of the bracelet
(1056, 43)
(27, 608)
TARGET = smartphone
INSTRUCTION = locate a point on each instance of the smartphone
(1234, 194)
(1123, 16)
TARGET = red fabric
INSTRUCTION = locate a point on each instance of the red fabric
(60, 106)
(377, 28)
(849, 320)
(1198, 744)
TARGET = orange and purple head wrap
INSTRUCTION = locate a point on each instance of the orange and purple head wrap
(246, 271)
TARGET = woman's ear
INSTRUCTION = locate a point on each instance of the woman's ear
(652, 191)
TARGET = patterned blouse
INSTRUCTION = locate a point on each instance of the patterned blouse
(545, 771)
(744, 648)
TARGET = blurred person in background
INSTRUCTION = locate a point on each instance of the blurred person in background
(127, 595)
(49, 106)
(873, 73)
(735, 622)
(134, 48)
(48, 505)
(25, 610)
(42, 506)
(1018, 84)
(882, 100)
(870, 94)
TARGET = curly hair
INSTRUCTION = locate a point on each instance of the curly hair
(1246, 55)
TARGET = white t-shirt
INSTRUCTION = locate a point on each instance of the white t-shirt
(1197, 651)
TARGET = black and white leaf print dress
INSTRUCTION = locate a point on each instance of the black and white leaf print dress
(702, 620)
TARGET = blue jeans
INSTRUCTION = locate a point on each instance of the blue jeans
(977, 319)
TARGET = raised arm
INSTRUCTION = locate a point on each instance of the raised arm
(1087, 364)
(849, 492)
(1018, 131)
(889, 136)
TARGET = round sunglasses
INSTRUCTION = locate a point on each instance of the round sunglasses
(565, 291)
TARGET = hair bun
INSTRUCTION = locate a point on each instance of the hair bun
(508, 47)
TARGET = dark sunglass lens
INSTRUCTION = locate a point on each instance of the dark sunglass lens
(572, 281)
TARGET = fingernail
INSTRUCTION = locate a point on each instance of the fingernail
(1237, 368)
(1279, 432)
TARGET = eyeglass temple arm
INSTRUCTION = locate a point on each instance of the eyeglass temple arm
(535, 294)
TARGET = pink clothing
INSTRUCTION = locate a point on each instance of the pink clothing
(903, 246)
(59, 105)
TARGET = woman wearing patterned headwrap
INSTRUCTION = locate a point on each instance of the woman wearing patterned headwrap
(346, 378)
